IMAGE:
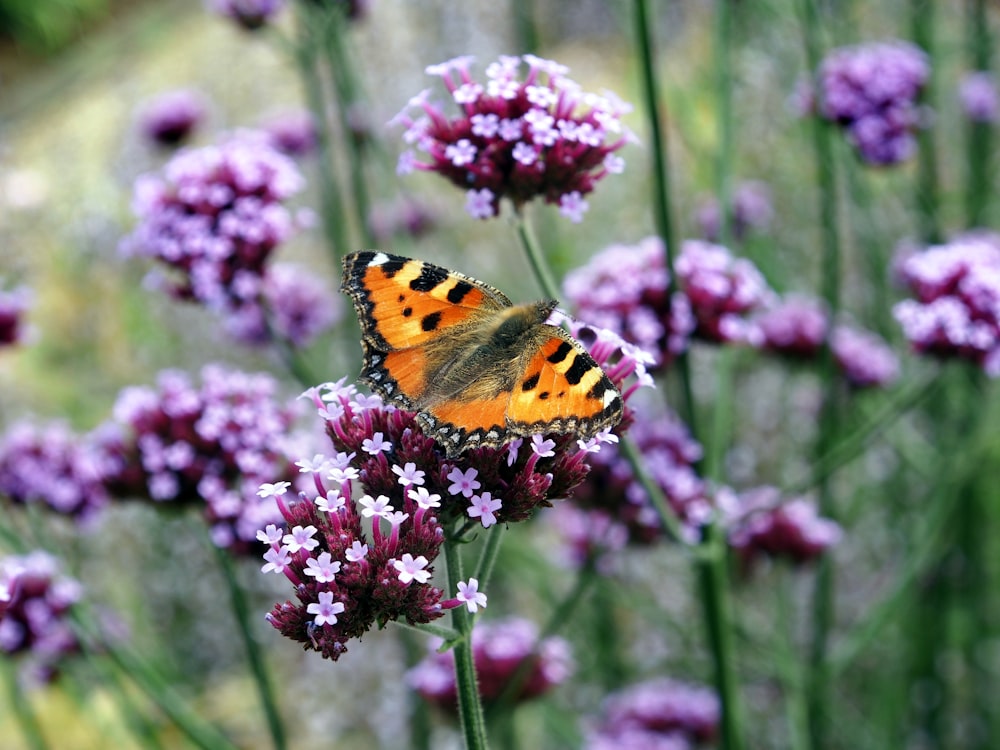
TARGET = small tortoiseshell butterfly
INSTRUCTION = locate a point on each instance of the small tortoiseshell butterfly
(477, 369)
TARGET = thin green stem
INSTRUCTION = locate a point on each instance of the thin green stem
(20, 703)
(711, 566)
(488, 557)
(470, 707)
(539, 266)
(979, 146)
(258, 665)
(662, 206)
(789, 663)
(927, 197)
(659, 501)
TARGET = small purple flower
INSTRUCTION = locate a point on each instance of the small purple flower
(872, 92)
(171, 117)
(213, 218)
(220, 445)
(651, 714)
(35, 601)
(249, 14)
(539, 137)
(52, 465)
(292, 133)
(956, 309)
(405, 217)
(977, 92)
(797, 327)
(864, 357)
(751, 210)
(498, 649)
(13, 305)
(761, 523)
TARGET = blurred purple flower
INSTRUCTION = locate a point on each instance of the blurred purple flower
(662, 714)
(171, 117)
(872, 91)
(249, 14)
(956, 310)
(537, 138)
(52, 465)
(977, 92)
(498, 650)
(405, 217)
(292, 133)
(35, 599)
(864, 357)
(761, 523)
(751, 210)
(13, 305)
(797, 326)
(211, 446)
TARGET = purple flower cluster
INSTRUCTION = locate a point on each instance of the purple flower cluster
(872, 92)
(405, 217)
(660, 714)
(214, 217)
(35, 598)
(293, 132)
(52, 465)
(614, 499)
(723, 291)
(498, 648)
(956, 310)
(761, 524)
(977, 93)
(13, 305)
(751, 210)
(249, 14)
(537, 138)
(171, 117)
(211, 446)
(798, 326)
(624, 289)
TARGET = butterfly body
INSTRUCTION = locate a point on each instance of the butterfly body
(477, 369)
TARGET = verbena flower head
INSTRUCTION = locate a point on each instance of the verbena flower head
(956, 309)
(498, 649)
(293, 132)
(521, 139)
(211, 445)
(13, 305)
(663, 714)
(762, 524)
(171, 117)
(249, 14)
(615, 498)
(723, 291)
(864, 357)
(751, 210)
(977, 93)
(50, 464)
(35, 599)
(214, 217)
(872, 91)
(624, 289)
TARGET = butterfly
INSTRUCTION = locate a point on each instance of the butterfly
(477, 369)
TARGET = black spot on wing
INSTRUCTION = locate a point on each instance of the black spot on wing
(560, 354)
(543, 395)
(531, 382)
(578, 369)
(394, 265)
(457, 293)
(430, 322)
(430, 277)
(407, 312)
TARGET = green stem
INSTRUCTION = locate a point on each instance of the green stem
(535, 257)
(470, 707)
(31, 730)
(979, 147)
(662, 205)
(711, 565)
(488, 557)
(927, 197)
(258, 665)
(789, 664)
(331, 201)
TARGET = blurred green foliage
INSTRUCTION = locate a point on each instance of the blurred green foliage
(47, 25)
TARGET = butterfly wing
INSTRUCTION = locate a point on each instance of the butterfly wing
(404, 305)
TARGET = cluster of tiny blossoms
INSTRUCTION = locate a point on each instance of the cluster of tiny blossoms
(52, 465)
(662, 714)
(797, 327)
(751, 210)
(35, 598)
(499, 649)
(537, 138)
(956, 310)
(12, 307)
(761, 524)
(214, 218)
(978, 95)
(171, 117)
(872, 91)
(211, 445)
